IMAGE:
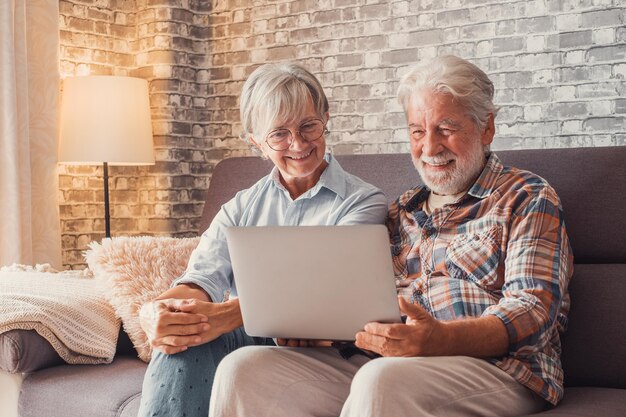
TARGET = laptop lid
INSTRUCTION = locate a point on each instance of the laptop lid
(313, 282)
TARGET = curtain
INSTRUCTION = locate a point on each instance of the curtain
(29, 96)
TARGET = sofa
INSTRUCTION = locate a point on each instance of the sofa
(592, 185)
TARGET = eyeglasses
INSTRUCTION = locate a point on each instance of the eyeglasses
(281, 139)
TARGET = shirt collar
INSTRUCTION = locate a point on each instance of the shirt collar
(488, 178)
(333, 178)
(483, 187)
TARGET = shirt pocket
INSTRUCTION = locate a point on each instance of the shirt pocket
(476, 256)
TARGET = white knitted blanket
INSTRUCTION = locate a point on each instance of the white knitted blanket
(68, 309)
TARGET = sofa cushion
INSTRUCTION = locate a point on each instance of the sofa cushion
(593, 345)
(82, 390)
(589, 402)
(26, 351)
(136, 270)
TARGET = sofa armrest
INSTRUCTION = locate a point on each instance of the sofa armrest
(26, 351)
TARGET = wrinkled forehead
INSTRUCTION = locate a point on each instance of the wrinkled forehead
(434, 106)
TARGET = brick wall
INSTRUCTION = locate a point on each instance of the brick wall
(558, 65)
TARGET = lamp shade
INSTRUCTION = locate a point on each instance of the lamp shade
(105, 119)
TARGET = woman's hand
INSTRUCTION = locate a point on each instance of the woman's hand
(170, 330)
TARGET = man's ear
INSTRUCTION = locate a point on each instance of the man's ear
(489, 131)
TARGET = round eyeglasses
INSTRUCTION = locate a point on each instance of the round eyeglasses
(281, 139)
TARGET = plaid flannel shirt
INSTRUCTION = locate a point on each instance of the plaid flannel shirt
(501, 250)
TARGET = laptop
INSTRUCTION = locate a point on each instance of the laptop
(313, 282)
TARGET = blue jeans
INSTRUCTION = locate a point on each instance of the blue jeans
(180, 384)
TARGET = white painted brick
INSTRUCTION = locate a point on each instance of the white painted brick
(564, 93)
(571, 126)
(533, 113)
(399, 8)
(543, 76)
(427, 52)
(483, 48)
(372, 59)
(426, 20)
(619, 71)
(535, 43)
(567, 22)
(258, 55)
(601, 107)
(451, 34)
(371, 27)
(329, 64)
(537, 7)
(601, 72)
(239, 73)
(303, 20)
(239, 16)
(574, 57)
(371, 121)
(282, 38)
(398, 40)
(603, 36)
(603, 140)
(259, 26)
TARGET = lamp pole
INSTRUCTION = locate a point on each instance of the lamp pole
(107, 217)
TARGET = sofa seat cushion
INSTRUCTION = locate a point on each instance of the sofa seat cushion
(83, 390)
(589, 402)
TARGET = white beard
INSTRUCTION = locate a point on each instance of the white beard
(459, 176)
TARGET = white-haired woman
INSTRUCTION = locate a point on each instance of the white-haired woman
(193, 325)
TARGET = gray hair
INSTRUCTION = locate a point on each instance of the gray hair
(467, 83)
(278, 92)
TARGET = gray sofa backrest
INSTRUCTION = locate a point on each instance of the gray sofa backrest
(591, 183)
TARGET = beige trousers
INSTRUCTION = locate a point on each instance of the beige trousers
(261, 381)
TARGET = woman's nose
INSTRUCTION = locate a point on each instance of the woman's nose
(297, 140)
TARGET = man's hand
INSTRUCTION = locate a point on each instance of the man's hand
(415, 338)
(303, 342)
(169, 329)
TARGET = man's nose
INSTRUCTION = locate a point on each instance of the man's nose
(431, 144)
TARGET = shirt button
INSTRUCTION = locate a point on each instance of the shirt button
(427, 271)
(418, 292)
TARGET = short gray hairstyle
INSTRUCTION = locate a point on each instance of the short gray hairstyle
(278, 92)
(467, 83)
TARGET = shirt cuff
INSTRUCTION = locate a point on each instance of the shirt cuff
(217, 295)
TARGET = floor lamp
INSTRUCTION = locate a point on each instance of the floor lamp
(105, 120)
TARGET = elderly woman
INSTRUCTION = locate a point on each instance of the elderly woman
(193, 325)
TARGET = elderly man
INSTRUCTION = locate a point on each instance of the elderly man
(482, 262)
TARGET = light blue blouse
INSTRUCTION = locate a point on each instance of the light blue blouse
(338, 198)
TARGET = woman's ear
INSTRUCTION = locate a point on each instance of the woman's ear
(258, 146)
